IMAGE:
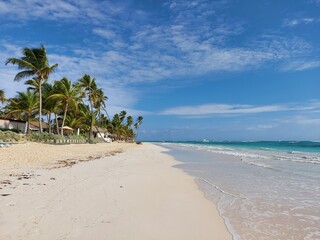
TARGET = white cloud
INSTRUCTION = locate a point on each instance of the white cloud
(299, 21)
(305, 120)
(232, 110)
(107, 34)
(86, 10)
(262, 127)
(301, 65)
(314, 1)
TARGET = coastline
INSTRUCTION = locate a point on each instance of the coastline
(253, 188)
(136, 194)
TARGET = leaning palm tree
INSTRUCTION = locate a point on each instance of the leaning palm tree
(34, 63)
(68, 95)
(137, 125)
(25, 104)
(122, 115)
(129, 121)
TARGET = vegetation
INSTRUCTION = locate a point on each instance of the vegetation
(24, 105)
(9, 136)
(54, 138)
(34, 63)
(79, 105)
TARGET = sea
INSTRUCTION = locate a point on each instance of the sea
(263, 190)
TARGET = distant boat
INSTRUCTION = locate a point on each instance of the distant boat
(205, 140)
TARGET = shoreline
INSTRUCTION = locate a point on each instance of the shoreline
(136, 194)
(226, 177)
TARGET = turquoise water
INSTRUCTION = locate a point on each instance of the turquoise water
(263, 190)
(300, 146)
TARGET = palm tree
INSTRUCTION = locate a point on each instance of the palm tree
(137, 125)
(84, 116)
(122, 115)
(68, 95)
(49, 107)
(79, 118)
(129, 121)
(89, 85)
(2, 100)
(98, 99)
(25, 104)
(34, 62)
(34, 84)
(2, 96)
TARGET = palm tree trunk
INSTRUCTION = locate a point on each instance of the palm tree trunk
(57, 123)
(28, 122)
(91, 121)
(64, 118)
(137, 133)
(49, 122)
(40, 105)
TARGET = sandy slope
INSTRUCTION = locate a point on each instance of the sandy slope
(136, 194)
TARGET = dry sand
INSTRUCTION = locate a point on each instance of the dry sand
(30, 154)
(133, 195)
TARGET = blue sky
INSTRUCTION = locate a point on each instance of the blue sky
(220, 70)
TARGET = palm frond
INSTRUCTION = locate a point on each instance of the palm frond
(23, 74)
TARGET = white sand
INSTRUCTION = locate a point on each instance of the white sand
(136, 194)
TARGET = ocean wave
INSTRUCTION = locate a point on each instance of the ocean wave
(218, 188)
(256, 164)
(257, 154)
(261, 154)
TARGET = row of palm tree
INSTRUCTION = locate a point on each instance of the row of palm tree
(63, 100)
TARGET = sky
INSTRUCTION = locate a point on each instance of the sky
(200, 69)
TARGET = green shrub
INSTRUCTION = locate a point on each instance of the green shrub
(9, 136)
(44, 137)
(76, 137)
(54, 138)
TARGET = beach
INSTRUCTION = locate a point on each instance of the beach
(101, 191)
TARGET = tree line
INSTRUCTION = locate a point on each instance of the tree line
(81, 104)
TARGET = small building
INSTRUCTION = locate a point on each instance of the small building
(13, 124)
(67, 130)
(100, 132)
(34, 126)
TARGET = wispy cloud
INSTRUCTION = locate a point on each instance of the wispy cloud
(208, 110)
(107, 34)
(59, 10)
(299, 21)
(262, 127)
(314, 1)
(301, 65)
(306, 121)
